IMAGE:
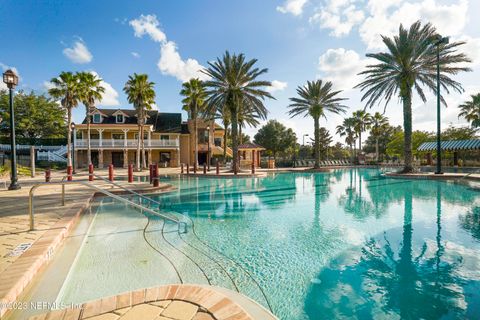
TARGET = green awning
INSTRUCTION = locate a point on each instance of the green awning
(451, 145)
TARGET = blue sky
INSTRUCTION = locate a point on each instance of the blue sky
(297, 40)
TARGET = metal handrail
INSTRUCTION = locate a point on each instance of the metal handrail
(31, 205)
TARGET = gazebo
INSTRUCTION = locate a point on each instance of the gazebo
(449, 145)
(249, 152)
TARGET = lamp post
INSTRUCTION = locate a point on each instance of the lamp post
(208, 148)
(438, 41)
(74, 135)
(305, 135)
(11, 80)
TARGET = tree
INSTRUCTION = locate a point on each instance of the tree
(325, 139)
(470, 110)
(315, 99)
(90, 90)
(379, 124)
(362, 120)
(395, 148)
(347, 130)
(459, 133)
(275, 138)
(36, 116)
(141, 94)
(409, 64)
(234, 85)
(66, 88)
(386, 135)
(194, 104)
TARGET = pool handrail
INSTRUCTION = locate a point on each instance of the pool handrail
(31, 204)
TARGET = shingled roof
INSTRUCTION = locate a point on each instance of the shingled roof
(161, 121)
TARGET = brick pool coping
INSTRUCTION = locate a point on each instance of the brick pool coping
(180, 302)
(20, 273)
(432, 176)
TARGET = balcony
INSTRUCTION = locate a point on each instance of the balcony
(125, 144)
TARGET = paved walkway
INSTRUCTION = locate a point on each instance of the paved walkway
(176, 302)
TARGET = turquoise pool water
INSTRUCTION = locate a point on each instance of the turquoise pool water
(344, 244)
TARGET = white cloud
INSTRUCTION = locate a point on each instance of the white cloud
(79, 53)
(471, 48)
(385, 17)
(135, 54)
(170, 62)
(110, 96)
(340, 16)
(294, 7)
(277, 86)
(341, 66)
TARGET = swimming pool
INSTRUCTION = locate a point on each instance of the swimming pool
(342, 244)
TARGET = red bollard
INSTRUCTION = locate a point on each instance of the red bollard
(90, 172)
(150, 168)
(204, 168)
(253, 167)
(156, 183)
(130, 173)
(48, 175)
(181, 165)
(188, 169)
(110, 172)
(218, 168)
(69, 173)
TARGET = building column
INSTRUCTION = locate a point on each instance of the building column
(178, 157)
(149, 138)
(100, 158)
(429, 159)
(455, 159)
(125, 137)
(258, 158)
(253, 158)
(125, 158)
(149, 157)
(100, 131)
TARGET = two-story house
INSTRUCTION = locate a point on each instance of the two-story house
(168, 141)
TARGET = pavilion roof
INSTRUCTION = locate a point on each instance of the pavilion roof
(451, 145)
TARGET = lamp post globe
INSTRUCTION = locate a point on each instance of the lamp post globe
(11, 80)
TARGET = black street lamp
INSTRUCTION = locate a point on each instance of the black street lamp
(305, 135)
(438, 41)
(208, 150)
(74, 135)
(11, 80)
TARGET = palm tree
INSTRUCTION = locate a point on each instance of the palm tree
(141, 94)
(91, 90)
(234, 84)
(363, 120)
(347, 130)
(470, 110)
(66, 88)
(409, 64)
(316, 98)
(194, 104)
(379, 125)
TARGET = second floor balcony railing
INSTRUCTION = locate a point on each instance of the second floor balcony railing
(129, 143)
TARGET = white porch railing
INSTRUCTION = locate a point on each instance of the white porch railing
(130, 143)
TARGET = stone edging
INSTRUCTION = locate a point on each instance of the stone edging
(218, 305)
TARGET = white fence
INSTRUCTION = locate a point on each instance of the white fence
(120, 143)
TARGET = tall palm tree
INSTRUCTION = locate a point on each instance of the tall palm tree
(246, 117)
(347, 130)
(91, 90)
(234, 84)
(315, 99)
(470, 110)
(409, 64)
(363, 120)
(66, 88)
(141, 94)
(194, 103)
(379, 123)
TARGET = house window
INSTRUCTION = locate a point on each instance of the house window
(164, 137)
(218, 142)
(145, 136)
(118, 136)
(202, 136)
(119, 118)
(97, 118)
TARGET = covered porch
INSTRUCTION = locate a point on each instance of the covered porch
(250, 153)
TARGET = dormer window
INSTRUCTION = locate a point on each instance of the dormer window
(120, 118)
(97, 118)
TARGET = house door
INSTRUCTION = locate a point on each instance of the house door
(94, 156)
(202, 158)
(117, 159)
